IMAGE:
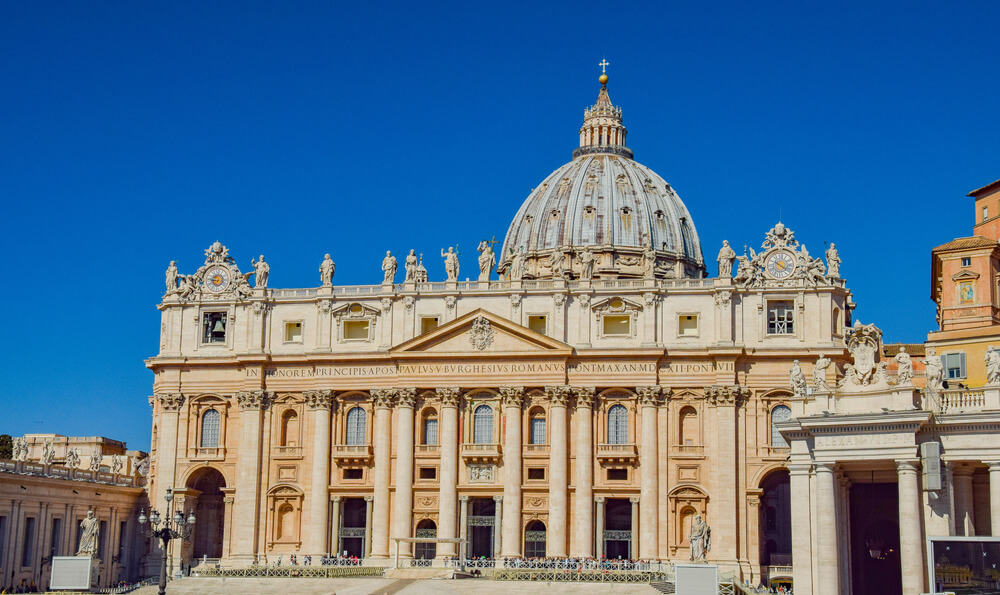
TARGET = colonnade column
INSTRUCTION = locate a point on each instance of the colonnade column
(798, 484)
(555, 539)
(961, 477)
(633, 550)
(599, 543)
(994, 497)
(512, 398)
(319, 402)
(448, 495)
(252, 404)
(368, 525)
(335, 528)
(383, 399)
(649, 398)
(402, 519)
(463, 525)
(910, 547)
(583, 475)
(826, 505)
(498, 540)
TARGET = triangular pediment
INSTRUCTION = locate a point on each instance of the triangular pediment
(963, 275)
(481, 331)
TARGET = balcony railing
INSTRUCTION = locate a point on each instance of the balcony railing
(427, 448)
(286, 451)
(215, 452)
(688, 449)
(616, 452)
(961, 401)
(536, 448)
(480, 452)
(776, 451)
(352, 452)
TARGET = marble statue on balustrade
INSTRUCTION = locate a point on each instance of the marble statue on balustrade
(833, 261)
(389, 268)
(556, 264)
(516, 264)
(48, 453)
(142, 467)
(904, 368)
(96, 459)
(72, 459)
(819, 372)
(261, 271)
(933, 370)
(90, 533)
(811, 269)
(116, 464)
(992, 366)
(648, 262)
(586, 264)
(797, 380)
(700, 539)
(410, 267)
(487, 260)
(20, 449)
(172, 277)
(726, 257)
(326, 270)
(450, 263)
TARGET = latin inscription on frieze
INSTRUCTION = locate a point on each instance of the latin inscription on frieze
(611, 368)
(864, 440)
(325, 372)
(696, 367)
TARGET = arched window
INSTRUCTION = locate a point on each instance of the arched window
(210, 429)
(356, 432)
(689, 434)
(482, 425)
(779, 414)
(618, 425)
(290, 428)
(537, 427)
(430, 430)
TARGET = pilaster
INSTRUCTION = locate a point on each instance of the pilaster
(583, 475)
(383, 400)
(512, 399)
(555, 542)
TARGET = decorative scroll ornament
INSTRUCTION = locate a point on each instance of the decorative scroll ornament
(864, 341)
(482, 334)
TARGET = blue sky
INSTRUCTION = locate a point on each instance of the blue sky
(132, 134)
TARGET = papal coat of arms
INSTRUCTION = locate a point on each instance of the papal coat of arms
(481, 335)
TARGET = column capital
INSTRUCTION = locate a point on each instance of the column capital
(319, 399)
(584, 396)
(449, 395)
(633, 500)
(384, 398)
(496, 498)
(799, 468)
(406, 397)
(906, 466)
(558, 396)
(726, 396)
(599, 499)
(994, 466)
(254, 400)
(649, 396)
(369, 498)
(959, 468)
(825, 467)
(512, 396)
(336, 498)
(463, 498)
(170, 401)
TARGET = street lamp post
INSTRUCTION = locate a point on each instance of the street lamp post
(173, 528)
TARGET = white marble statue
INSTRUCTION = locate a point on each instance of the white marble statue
(142, 467)
(556, 263)
(833, 261)
(116, 464)
(648, 262)
(389, 267)
(819, 372)
(586, 264)
(410, 267)
(992, 366)
(933, 370)
(700, 539)
(261, 270)
(326, 270)
(450, 263)
(904, 368)
(726, 257)
(797, 379)
(517, 264)
(90, 532)
(172, 277)
(20, 450)
(72, 459)
(48, 453)
(96, 459)
(487, 260)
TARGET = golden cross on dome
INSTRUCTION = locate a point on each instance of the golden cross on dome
(604, 64)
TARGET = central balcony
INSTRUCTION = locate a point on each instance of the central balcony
(352, 453)
(616, 453)
(480, 453)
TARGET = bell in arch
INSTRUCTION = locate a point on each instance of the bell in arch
(218, 327)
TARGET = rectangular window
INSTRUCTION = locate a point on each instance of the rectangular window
(213, 327)
(617, 474)
(617, 326)
(687, 325)
(538, 323)
(781, 317)
(431, 432)
(986, 213)
(428, 473)
(293, 332)
(356, 329)
(27, 552)
(353, 474)
(538, 430)
(428, 323)
(536, 473)
(56, 534)
(967, 262)
(954, 365)
(121, 541)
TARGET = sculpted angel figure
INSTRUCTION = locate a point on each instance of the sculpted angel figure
(487, 260)
(819, 372)
(700, 539)
(410, 267)
(262, 270)
(726, 257)
(90, 530)
(326, 270)
(904, 368)
(586, 264)
(833, 261)
(450, 263)
(933, 370)
(388, 267)
(172, 277)
(992, 366)
(797, 379)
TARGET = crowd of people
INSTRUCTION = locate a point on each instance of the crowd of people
(326, 560)
(568, 564)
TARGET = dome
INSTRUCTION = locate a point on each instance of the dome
(603, 202)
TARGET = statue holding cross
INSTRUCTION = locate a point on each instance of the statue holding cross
(487, 259)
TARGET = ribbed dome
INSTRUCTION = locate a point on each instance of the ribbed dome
(604, 200)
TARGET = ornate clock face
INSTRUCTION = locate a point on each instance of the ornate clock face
(780, 265)
(217, 279)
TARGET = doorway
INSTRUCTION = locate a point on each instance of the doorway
(481, 527)
(618, 529)
(875, 567)
(352, 528)
(210, 512)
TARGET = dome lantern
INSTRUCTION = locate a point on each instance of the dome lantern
(602, 130)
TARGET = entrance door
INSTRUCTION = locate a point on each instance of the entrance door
(352, 528)
(875, 567)
(209, 511)
(618, 529)
(425, 551)
(481, 527)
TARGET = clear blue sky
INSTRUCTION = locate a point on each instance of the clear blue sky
(133, 133)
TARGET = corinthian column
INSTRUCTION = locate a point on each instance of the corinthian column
(910, 547)
(828, 530)
(583, 475)
(649, 398)
(512, 398)
(319, 403)
(801, 536)
(166, 468)
(252, 405)
(994, 497)
(555, 542)
(727, 516)
(402, 522)
(448, 495)
(383, 399)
